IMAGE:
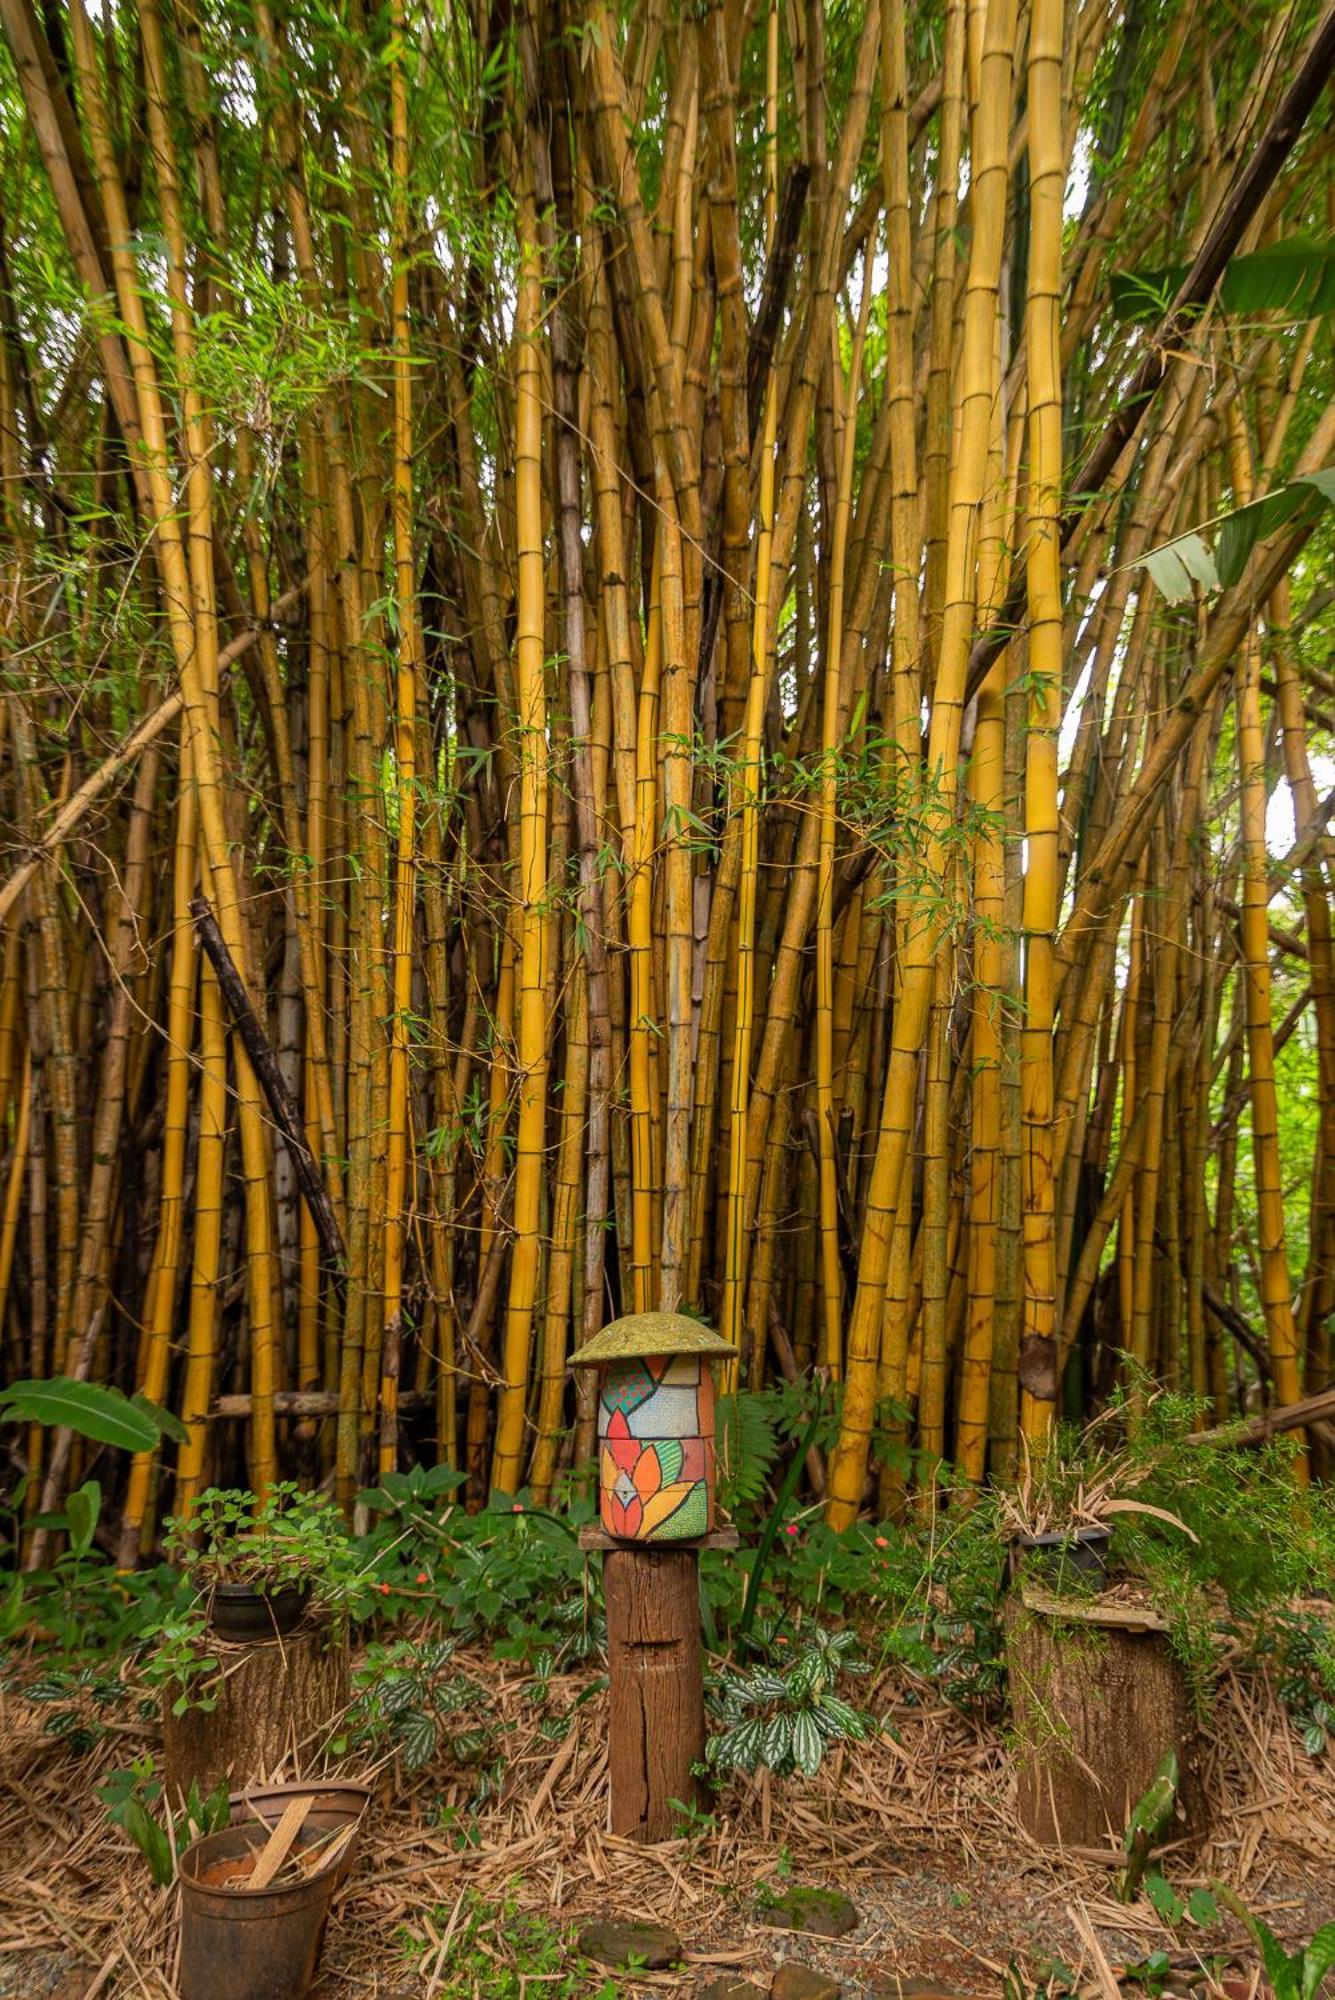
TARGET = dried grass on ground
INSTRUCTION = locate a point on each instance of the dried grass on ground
(918, 1826)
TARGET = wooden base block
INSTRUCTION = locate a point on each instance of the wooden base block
(1095, 1707)
(656, 1701)
(276, 1700)
(596, 1541)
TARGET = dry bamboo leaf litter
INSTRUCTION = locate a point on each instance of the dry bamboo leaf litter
(919, 1829)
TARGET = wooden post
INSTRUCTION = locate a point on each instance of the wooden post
(656, 1699)
(655, 1676)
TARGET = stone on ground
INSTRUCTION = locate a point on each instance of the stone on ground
(823, 1912)
(794, 1981)
(618, 1942)
(730, 1989)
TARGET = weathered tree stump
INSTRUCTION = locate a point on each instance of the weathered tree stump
(1097, 1700)
(276, 1700)
(656, 1703)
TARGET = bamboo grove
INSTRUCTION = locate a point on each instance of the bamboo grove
(575, 612)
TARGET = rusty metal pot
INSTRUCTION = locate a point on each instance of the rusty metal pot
(249, 1944)
(337, 1800)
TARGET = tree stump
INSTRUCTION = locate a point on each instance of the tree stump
(656, 1702)
(1097, 1700)
(276, 1699)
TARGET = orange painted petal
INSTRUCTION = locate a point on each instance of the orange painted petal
(664, 1502)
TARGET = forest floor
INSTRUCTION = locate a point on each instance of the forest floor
(456, 1896)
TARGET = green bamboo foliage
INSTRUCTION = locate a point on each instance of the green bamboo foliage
(741, 664)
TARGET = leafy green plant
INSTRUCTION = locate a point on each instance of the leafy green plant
(514, 1575)
(784, 1719)
(498, 1951)
(130, 1795)
(411, 1699)
(179, 1663)
(1296, 275)
(289, 1537)
(1296, 1975)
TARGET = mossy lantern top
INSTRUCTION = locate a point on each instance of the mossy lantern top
(656, 1463)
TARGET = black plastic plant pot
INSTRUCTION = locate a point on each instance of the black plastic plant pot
(248, 1944)
(1067, 1555)
(242, 1611)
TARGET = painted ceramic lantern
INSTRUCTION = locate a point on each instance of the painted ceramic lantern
(655, 1425)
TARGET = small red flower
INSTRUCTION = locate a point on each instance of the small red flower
(518, 1507)
(881, 1542)
(384, 1590)
(422, 1576)
(792, 1529)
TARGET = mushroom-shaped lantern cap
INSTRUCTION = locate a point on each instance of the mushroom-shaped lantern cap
(649, 1333)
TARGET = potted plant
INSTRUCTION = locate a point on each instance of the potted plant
(260, 1566)
(1059, 1515)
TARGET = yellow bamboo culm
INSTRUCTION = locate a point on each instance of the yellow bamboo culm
(398, 1193)
(747, 778)
(831, 731)
(1276, 1293)
(530, 1154)
(1047, 181)
(922, 935)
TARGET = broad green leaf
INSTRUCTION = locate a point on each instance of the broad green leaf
(1278, 1969)
(778, 1742)
(103, 1415)
(1164, 1897)
(1178, 564)
(169, 1425)
(1202, 1907)
(1241, 530)
(808, 1746)
(1318, 1960)
(1175, 566)
(417, 1736)
(82, 1509)
(1296, 276)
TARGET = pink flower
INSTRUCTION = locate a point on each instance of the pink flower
(422, 1576)
(518, 1507)
(881, 1542)
(792, 1528)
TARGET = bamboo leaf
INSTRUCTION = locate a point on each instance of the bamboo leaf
(1159, 1514)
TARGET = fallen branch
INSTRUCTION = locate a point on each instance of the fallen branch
(265, 1065)
(1270, 1423)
